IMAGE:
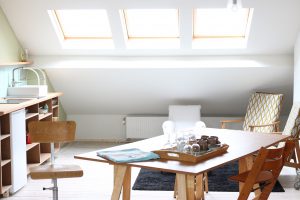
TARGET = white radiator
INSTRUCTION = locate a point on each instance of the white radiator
(144, 126)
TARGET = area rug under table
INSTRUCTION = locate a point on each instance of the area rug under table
(217, 180)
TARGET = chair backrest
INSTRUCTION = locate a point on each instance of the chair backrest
(271, 160)
(263, 108)
(292, 126)
(49, 132)
(184, 116)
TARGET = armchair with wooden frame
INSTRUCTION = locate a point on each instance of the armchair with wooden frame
(262, 113)
(292, 128)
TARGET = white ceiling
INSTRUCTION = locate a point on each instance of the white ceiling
(123, 81)
(274, 28)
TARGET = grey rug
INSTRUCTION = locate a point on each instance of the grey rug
(217, 180)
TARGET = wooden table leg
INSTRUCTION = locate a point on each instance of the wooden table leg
(175, 188)
(127, 184)
(121, 180)
(181, 186)
(199, 187)
(190, 187)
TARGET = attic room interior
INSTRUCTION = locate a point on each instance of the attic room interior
(168, 99)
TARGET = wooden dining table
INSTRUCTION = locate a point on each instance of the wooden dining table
(189, 175)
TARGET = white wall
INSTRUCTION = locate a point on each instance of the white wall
(111, 128)
(100, 91)
(297, 70)
(99, 127)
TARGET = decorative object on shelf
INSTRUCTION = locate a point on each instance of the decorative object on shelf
(54, 101)
(44, 109)
(24, 55)
(28, 141)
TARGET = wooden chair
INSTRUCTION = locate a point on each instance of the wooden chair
(265, 171)
(292, 128)
(52, 132)
(262, 113)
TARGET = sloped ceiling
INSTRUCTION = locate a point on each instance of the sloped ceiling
(274, 28)
(120, 82)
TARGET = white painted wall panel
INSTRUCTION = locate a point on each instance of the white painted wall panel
(111, 127)
(99, 127)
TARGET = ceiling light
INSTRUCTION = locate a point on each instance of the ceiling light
(234, 5)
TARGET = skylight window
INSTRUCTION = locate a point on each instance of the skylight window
(152, 23)
(84, 24)
(151, 28)
(221, 23)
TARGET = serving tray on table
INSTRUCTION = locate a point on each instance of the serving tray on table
(171, 154)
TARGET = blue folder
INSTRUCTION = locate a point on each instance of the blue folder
(127, 155)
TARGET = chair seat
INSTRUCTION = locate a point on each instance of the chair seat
(263, 176)
(55, 171)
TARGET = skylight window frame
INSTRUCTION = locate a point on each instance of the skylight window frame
(87, 43)
(56, 15)
(125, 21)
(244, 36)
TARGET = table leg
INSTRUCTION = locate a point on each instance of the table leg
(190, 187)
(199, 187)
(181, 186)
(121, 180)
(127, 184)
(175, 188)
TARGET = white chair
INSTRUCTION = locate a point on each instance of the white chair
(181, 118)
(185, 117)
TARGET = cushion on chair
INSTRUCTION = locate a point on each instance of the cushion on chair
(55, 171)
(263, 108)
(292, 126)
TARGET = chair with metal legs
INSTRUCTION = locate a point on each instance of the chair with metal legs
(53, 132)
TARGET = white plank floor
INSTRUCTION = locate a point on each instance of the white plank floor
(97, 182)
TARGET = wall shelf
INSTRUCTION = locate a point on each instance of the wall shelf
(30, 146)
(36, 153)
(4, 162)
(42, 116)
(2, 137)
(30, 115)
(7, 64)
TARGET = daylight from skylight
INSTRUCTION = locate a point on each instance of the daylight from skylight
(82, 29)
(212, 28)
(221, 28)
(152, 23)
(220, 23)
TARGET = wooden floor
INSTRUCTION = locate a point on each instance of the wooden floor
(96, 184)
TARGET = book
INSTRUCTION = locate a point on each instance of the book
(127, 155)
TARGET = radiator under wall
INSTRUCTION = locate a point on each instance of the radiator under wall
(138, 127)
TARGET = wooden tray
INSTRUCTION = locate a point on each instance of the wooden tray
(170, 154)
